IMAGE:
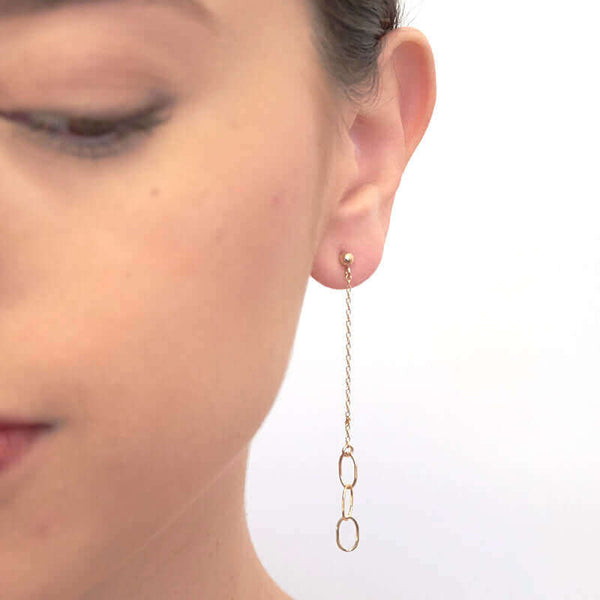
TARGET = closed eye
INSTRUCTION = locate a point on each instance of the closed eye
(88, 136)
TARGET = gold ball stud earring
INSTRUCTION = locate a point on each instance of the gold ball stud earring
(347, 259)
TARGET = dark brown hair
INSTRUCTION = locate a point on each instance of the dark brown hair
(348, 41)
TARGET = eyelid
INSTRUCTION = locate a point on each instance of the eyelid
(127, 126)
(155, 104)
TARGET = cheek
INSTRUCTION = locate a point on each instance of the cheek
(193, 323)
(180, 322)
(184, 372)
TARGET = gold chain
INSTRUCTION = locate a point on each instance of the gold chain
(346, 258)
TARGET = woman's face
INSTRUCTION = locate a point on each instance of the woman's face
(150, 287)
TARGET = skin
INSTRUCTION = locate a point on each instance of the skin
(149, 301)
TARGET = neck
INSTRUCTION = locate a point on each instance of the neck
(206, 552)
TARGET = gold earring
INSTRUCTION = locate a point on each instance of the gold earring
(346, 259)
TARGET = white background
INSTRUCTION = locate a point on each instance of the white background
(475, 346)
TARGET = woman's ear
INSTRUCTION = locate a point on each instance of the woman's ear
(385, 133)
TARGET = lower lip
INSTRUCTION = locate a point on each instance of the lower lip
(15, 441)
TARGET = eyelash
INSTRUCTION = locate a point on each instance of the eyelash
(120, 131)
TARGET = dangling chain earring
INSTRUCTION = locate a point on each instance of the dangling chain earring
(346, 259)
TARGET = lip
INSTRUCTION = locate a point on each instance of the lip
(16, 438)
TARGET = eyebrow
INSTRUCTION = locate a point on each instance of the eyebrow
(11, 8)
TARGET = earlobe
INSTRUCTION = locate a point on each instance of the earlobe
(357, 228)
